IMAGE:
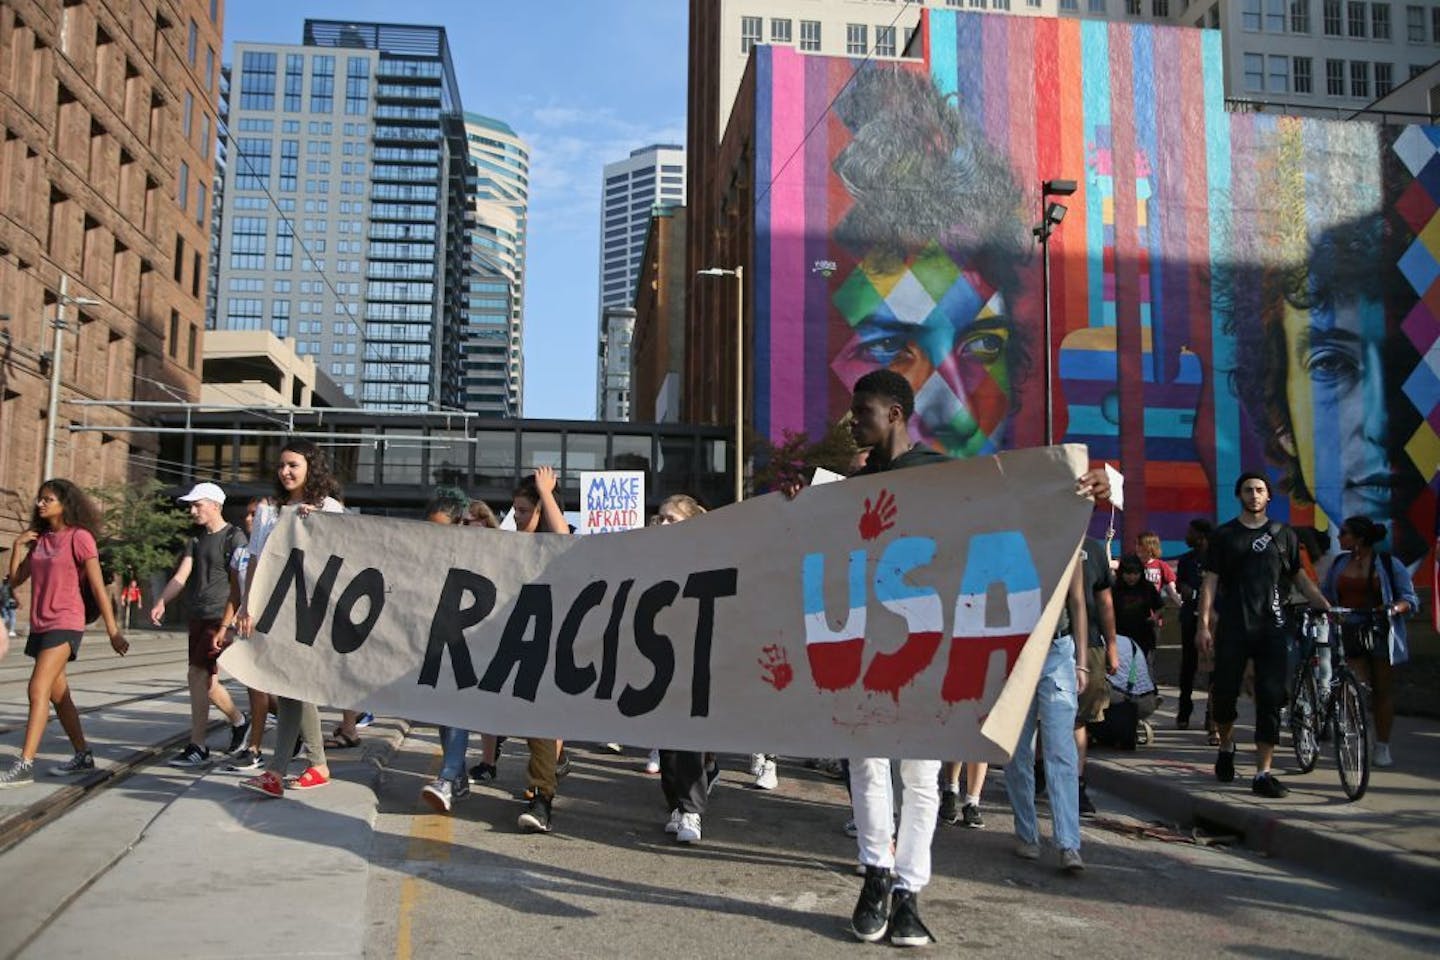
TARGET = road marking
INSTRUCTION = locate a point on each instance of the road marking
(430, 835)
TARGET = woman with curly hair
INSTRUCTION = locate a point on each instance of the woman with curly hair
(303, 483)
(58, 554)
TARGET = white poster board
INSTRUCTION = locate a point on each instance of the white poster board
(611, 500)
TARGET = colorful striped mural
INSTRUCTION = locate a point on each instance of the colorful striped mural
(1228, 292)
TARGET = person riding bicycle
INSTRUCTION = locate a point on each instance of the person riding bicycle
(1363, 578)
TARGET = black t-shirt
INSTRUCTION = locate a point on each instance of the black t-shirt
(1190, 572)
(916, 456)
(209, 583)
(1098, 576)
(1255, 567)
(1135, 609)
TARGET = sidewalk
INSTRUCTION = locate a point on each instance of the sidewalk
(1388, 840)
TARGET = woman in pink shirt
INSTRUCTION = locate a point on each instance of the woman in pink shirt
(57, 554)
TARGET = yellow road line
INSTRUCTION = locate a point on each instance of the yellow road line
(429, 840)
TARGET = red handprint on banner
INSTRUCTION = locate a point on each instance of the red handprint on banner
(879, 518)
(776, 665)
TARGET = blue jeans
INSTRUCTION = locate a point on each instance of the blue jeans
(1054, 709)
(453, 744)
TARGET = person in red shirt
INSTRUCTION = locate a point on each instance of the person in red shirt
(56, 553)
(1157, 571)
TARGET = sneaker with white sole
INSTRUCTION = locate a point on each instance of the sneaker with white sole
(82, 762)
(652, 763)
(247, 759)
(757, 763)
(239, 733)
(20, 773)
(192, 756)
(1381, 756)
(769, 777)
(437, 794)
(1027, 851)
(672, 825)
(1070, 861)
(689, 830)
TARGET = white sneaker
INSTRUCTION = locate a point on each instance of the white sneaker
(1381, 757)
(1027, 851)
(1070, 861)
(757, 763)
(689, 831)
(673, 824)
(438, 794)
(768, 778)
(652, 765)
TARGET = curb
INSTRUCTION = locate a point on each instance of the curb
(1318, 847)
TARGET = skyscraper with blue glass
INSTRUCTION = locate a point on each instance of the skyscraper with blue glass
(345, 211)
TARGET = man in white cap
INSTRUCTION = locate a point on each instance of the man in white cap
(213, 598)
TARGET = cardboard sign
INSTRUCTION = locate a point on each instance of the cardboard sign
(611, 500)
(898, 614)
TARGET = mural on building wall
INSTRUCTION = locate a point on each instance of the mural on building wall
(1229, 291)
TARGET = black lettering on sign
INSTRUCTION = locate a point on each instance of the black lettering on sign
(610, 650)
(452, 618)
(527, 657)
(707, 586)
(309, 610)
(569, 677)
(346, 635)
(655, 647)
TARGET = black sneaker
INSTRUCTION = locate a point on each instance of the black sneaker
(970, 816)
(1225, 765)
(193, 755)
(949, 806)
(483, 772)
(872, 911)
(562, 765)
(246, 759)
(82, 762)
(536, 818)
(906, 928)
(460, 787)
(238, 733)
(1087, 806)
(1266, 785)
(712, 777)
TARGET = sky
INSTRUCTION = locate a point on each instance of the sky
(583, 83)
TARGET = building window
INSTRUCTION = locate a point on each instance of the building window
(1132, 8)
(182, 191)
(289, 165)
(294, 81)
(1300, 16)
(978, 4)
(200, 207)
(1304, 82)
(857, 39)
(1332, 18)
(205, 135)
(174, 339)
(1250, 15)
(1355, 17)
(1335, 78)
(322, 84)
(244, 313)
(209, 68)
(1278, 78)
(1415, 24)
(1384, 79)
(1380, 21)
(357, 86)
(192, 44)
(885, 41)
(1161, 8)
(1275, 15)
(1416, 69)
(247, 243)
(257, 81)
(810, 35)
(1360, 79)
(252, 169)
(779, 30)
(1097, 6)
(187, 115)
(1435, 24)
(1254, 73)
(750, 33)
(1072, 5)
(1212, 18)
(284, 244)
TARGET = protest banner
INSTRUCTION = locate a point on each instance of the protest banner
(611, 500)
(897, 614)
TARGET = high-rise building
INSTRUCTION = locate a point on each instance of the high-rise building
(494, 365)
(345, 212)
(650, 177)
(105, 166)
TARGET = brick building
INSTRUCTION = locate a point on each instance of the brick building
(106, 161)
(657, 346)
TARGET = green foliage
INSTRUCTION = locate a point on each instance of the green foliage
(797, 457)
(143, 530)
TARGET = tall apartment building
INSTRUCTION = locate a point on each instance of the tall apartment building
(650, 177)
(345, 208)
(1322, 57)
(105, 163)
(499, 189)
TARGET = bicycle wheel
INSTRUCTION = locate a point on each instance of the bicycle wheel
(1352, 742)
(1305, 719)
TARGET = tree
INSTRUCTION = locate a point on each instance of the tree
(797, 457)
(142, 530)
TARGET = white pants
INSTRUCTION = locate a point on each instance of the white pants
(874, 803)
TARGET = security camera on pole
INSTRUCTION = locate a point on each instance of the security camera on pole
(53, 415)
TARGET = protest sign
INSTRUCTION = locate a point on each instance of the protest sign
(896, 614)
(611, 500)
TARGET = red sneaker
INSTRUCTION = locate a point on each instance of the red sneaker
(309, 780)
(267, 783)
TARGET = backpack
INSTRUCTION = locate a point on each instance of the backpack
(87, 596)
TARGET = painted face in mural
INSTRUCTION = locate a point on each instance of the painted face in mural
(945, 329)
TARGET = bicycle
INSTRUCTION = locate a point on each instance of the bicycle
(1340, 708)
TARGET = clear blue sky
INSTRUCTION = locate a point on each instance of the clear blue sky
(584, 83)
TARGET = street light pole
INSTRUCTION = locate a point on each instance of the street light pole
(739, 274)
(1050, 216)
(53, 414)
